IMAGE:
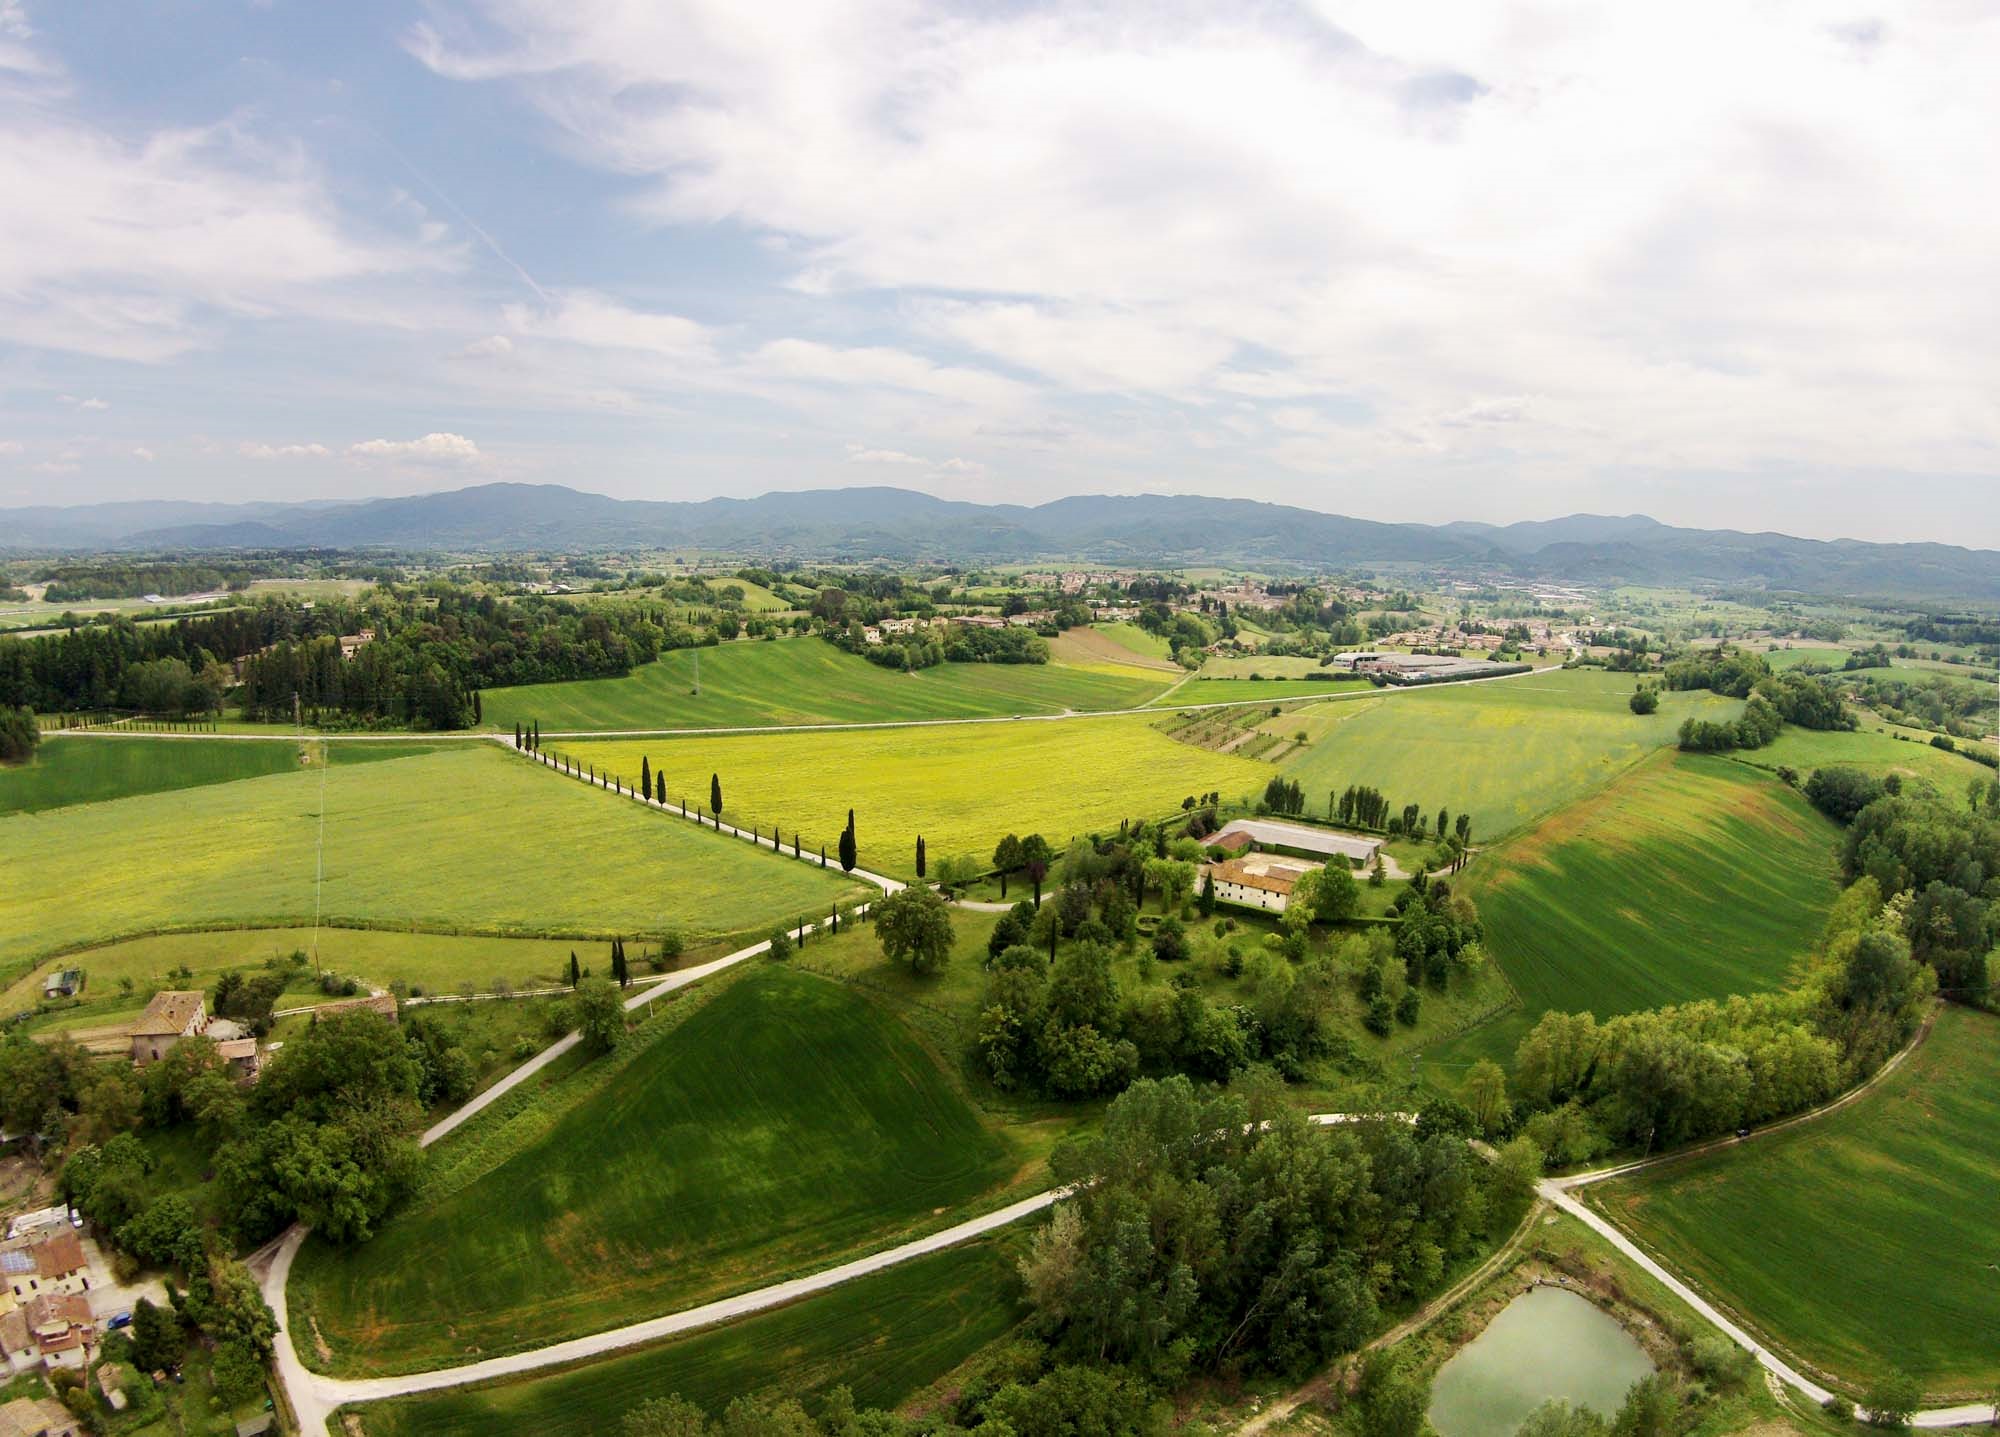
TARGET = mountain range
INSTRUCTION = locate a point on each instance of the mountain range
(902, 525)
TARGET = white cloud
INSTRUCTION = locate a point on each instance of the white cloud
(1706, 238)
(882, 456)
(250, 449)
(142, 452)
(441, 448)
(73, 402)
(595, 321)
(10, 446)
(494, 346)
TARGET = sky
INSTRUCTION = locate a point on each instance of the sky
(1731, 264)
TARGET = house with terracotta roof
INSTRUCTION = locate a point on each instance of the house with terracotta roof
(38, 1417)
(172, 1015)
(48, 1262)
(1259, 880)
(52, 1330)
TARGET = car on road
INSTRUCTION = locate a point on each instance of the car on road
(118, 1320)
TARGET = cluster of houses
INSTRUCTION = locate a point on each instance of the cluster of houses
(38, 1417)
(45, 1281)
(1075, 581)
(178, 1013)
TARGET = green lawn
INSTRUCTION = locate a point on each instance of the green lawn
(804, 681)
(87, 770)
(1689, 877)
(885, 1337)
(961, 786)
(1861, 1241)
(1808, 749)
(786, 1123)
(1791, 658)
(1140, 641)
(472, 839)
(1507, 752)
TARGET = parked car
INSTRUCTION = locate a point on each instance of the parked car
(118, 1320)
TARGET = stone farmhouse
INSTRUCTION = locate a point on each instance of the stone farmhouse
(46, 1262)
(173, 1014)
(1259, 880)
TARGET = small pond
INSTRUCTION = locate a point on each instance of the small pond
(1546, 1343)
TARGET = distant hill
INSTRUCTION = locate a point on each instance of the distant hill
(900, 525)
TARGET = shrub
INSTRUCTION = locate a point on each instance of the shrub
(1838, 1408)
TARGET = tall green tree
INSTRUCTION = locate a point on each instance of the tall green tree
(1036, 856)
(715, 794)
(645, 777)
(914, 927)
(1007, 858)
(920, 855)
(847, 850)
(575, 969)
(600, 1016)
(660, 789)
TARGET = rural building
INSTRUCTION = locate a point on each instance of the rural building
(871, 636)
(382, 1003)
(1231, 841)
(900, 626)
(1304, 838)
(112, 1385)
(351, 644)
(171, 1016)
(38, 1417)
(979, 621)
(49, 1262)
(1259, 880)
(53, 1330)
(63, 983)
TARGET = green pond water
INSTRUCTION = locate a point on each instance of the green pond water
(1546, 1343)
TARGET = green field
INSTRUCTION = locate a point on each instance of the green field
(1507, 752)
(1805, 654)
(806, 681)
(786, 1123)
(434, 962)
(1140, 641)
(87, 770)
(1808, 749)
(1689, 877)
(1263, 666)
(1233, 691)
(885, 1337)
(472, 839)
(961, 786)
(1861, 1241)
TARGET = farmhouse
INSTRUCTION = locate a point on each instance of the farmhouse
(1259, 880)
(50, 1331)
(1299, 837)
(172, 1015)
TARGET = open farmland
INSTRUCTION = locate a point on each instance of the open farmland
(1862, 1241)
(1880, 753)
(807, 681)
(472, 839)
(89, 770)
(1507, 751)
(802, 1122)
(961, 786)
(1092, 647)
(885, 1337)
(435, 962)
(1229, 691)
(1689, 877)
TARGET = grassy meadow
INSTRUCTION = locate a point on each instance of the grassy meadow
(1092, 647)
(433, 962)
(1507, 752)
(808, 681)
(784, 1123)
(1880, 753)
(470, 838)
(67, 771)
(961, 786)
(1205, 690)
(1861, 1241)
(886, 1337)
(1689, 877)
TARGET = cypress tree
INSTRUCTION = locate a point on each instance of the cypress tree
(795, 843)
(920, 855)
(645, 776)
(847, 843)
(660, 787)
(575, 972)
(715, 794)
(517, 735)
(822, 855)
(477, 717)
